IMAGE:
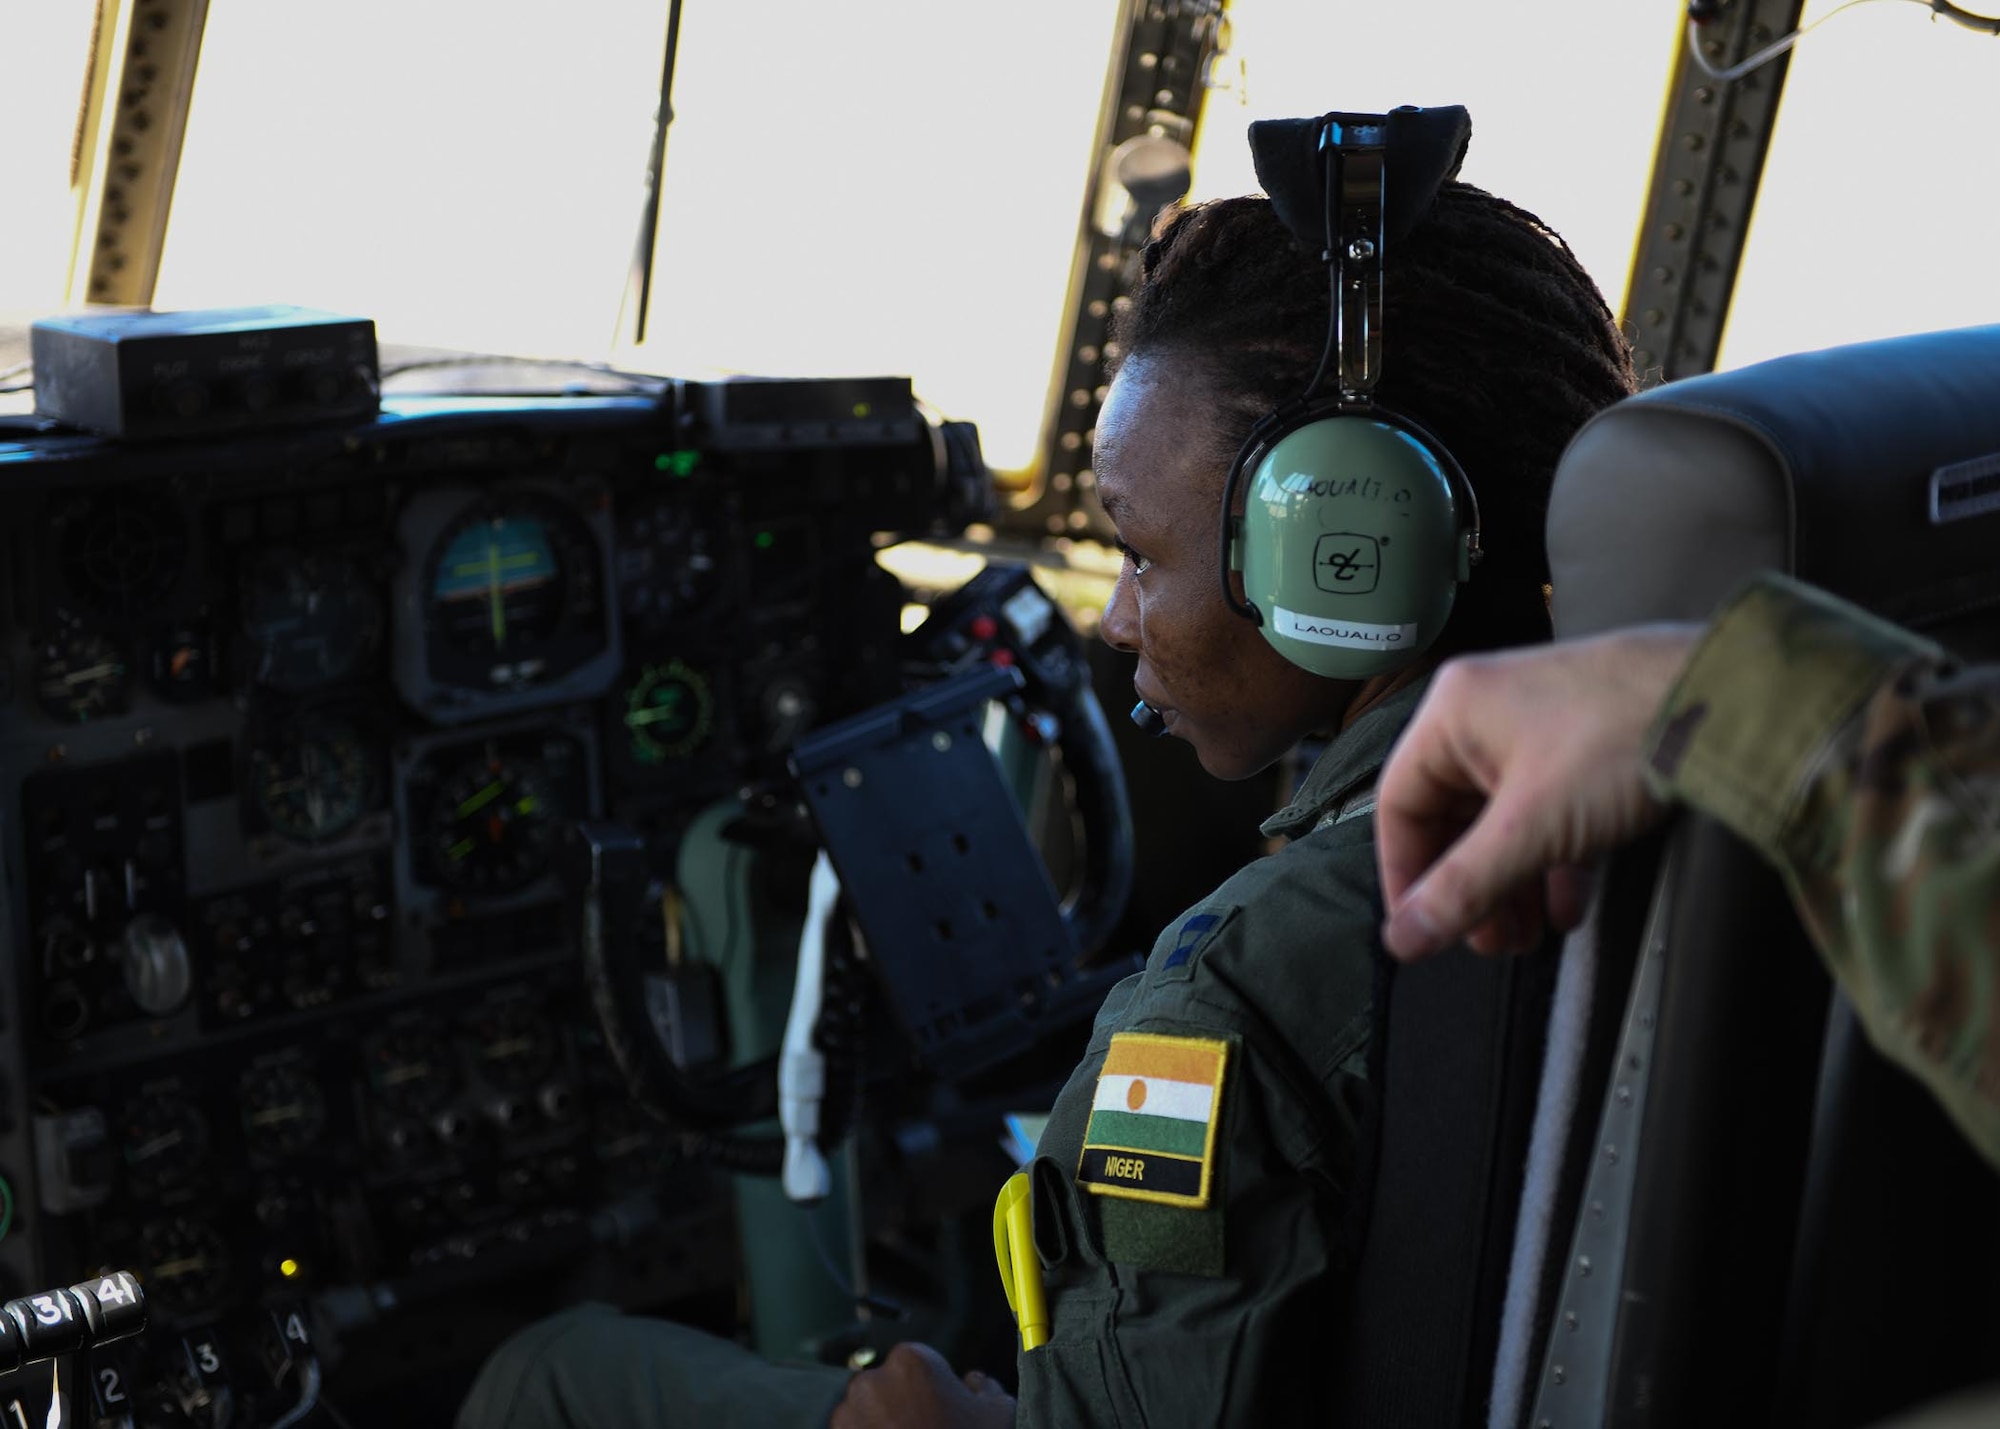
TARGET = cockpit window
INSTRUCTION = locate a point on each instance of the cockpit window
(888, 186)
(465, 174)
(45, 49)
(881, 186)
(1878, 214)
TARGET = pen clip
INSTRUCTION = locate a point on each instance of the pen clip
(1011, 1194)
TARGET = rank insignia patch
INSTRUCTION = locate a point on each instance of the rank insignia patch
(1152, 1123)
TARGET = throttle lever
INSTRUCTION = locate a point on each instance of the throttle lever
(63, 1321)
(286, 1347)
(64, 1325)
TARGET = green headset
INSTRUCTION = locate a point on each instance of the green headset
(1357, 525)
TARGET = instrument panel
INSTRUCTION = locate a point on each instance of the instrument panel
(291, 726)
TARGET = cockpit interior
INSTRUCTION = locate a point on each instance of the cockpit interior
(555, 745)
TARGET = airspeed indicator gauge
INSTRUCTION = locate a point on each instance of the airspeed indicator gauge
(312, 620)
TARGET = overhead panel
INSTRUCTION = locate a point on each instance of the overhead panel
(1714, 137)
(1154, 92)
(128, 145)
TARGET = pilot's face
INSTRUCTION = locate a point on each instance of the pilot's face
(1221, 687)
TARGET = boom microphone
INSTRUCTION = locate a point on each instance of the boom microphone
(1149, 720)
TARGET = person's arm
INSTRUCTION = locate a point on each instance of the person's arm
(1865, 764)
(1854, 755)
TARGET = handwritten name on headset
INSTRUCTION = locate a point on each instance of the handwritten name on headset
(1367, 488)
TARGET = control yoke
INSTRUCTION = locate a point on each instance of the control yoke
(975, 951)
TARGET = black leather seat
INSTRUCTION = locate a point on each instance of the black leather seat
(1750, 1217)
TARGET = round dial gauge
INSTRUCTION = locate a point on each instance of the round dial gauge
(312, 783)
(517, 1046)
(669, 712)
(81, 676)
(122, 551)
(311, 620)
(665, 567)
(413, 1070)
(508, 578)
(282, 1109)
(165, 1139)
(492, 825)
(187, 1264)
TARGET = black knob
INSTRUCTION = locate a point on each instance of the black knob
(180, 399)
(158, 972)
(257, 393)
(452, 1127)
(10, 1346)
(50, 1324)
(113, 1305)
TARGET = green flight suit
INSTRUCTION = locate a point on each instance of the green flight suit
(1165, 1314)
(1162, 1314)
(1865, 764)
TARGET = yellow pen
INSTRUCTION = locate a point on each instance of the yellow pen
(1020, 1267)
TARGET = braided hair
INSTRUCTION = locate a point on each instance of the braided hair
(1493, 337)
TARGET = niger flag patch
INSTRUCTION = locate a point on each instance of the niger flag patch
(1152, 1123)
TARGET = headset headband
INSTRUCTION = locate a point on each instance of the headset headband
(1352, 148)
(1422, 147)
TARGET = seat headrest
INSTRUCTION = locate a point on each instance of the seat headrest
(1871, 470)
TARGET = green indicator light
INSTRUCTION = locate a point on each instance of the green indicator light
(862, 409)
(680, 463)
(765, 540)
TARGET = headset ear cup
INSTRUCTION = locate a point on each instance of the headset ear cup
(1232, 563)
(1352, 542)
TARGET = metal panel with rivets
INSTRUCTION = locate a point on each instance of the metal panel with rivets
(1156, 85)
(1575, 1387)
(128, 145)
(1714, 138)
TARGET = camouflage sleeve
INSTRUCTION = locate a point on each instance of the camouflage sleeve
(1866, 765)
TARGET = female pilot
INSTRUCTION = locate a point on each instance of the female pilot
(1189, 1190)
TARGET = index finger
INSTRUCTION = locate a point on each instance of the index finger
(1429, 793)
